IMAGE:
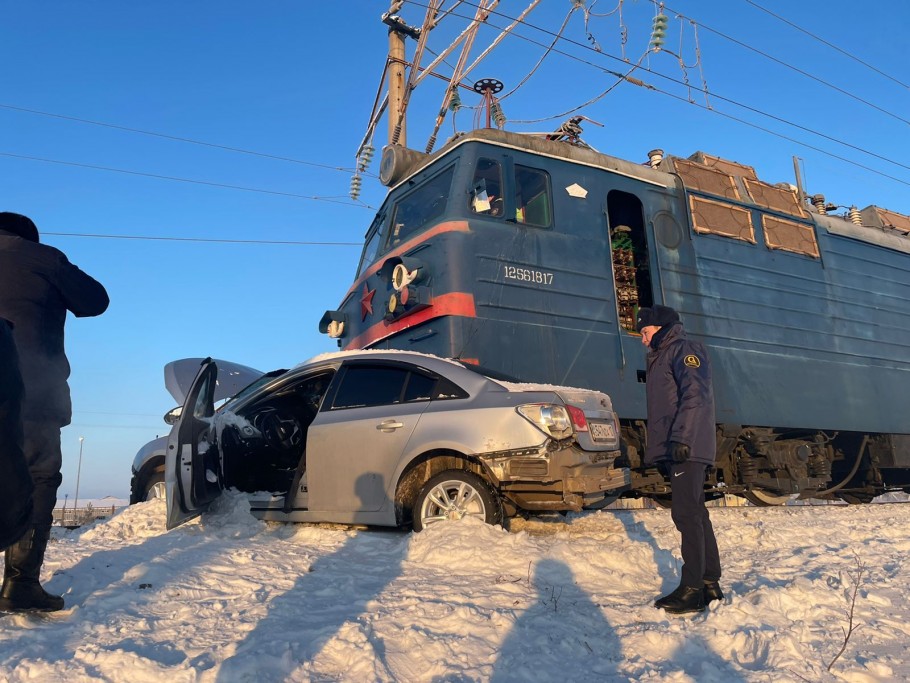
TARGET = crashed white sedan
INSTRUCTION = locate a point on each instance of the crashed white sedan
(392, 438)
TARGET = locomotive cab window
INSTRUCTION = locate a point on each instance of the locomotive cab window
(371, 247)
(533, 203)
(422, 206)
(486, 189)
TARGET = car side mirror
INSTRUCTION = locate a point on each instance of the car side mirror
(171, 416)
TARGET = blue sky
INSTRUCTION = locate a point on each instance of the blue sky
(297, 80)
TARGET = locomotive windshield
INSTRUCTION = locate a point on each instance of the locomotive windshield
(371, 246)
(417, 209)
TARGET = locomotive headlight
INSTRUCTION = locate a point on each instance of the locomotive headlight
(401, 277)
(335, 329)
(549, 418)
(393, 303)
(332, 324)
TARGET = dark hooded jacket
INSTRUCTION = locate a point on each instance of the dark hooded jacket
(38, 285)
(680, 397)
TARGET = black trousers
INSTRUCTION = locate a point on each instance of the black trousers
(15, 482)
(42, 452)
(701, 560)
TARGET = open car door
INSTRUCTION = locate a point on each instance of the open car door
(192, 471)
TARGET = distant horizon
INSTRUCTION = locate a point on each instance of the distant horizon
(117, 501)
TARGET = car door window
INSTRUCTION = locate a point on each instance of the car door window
(364, 386)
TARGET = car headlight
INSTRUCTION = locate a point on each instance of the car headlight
(549, 418)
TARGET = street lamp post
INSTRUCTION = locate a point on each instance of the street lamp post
(78, 472)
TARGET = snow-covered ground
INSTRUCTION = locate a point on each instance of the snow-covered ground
(227, 598)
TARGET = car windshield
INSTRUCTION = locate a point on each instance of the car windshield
(252, 386)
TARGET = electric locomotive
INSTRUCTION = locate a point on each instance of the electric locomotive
(530, 256)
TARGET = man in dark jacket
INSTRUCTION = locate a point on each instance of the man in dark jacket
(16, 486)
(682, 443)
(38, 285)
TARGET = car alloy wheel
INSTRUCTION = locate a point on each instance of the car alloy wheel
(156, 490)
(453, 495)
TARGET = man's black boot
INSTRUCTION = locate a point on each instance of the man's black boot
(684, 600)
(21, 591)
(712, 591)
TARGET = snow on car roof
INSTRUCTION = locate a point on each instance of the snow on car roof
(331, 355)
(532, 386)
(507, 385)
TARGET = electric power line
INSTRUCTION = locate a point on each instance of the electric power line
(791, 67)
(831, 45)
(202, 239)
(183, 180)
(173, 137)
(556, 38)
(711, 109)
(790, 139)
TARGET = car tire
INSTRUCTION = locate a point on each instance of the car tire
(154, 487)
(454, 494)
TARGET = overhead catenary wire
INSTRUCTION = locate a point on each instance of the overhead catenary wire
(483, 12)
(620, 78)
(203, 239)
(175, 138)
(786, 64)
(111, 169)
(379, 105)
(791, 139)
(719, 97)
(557, 36)
(829, 44)
(502, 34)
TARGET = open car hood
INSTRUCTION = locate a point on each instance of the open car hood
(232, 377)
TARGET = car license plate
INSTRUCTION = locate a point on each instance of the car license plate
(602, 431)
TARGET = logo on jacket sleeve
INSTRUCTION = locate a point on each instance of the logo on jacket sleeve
(692, 361)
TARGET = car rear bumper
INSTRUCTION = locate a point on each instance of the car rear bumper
(565, 479)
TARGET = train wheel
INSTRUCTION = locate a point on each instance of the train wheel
(764, 498)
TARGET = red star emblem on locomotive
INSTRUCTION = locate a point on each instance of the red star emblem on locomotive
(366, 302)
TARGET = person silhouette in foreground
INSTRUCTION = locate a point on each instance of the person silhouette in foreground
(682, 444)
(38, 285)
